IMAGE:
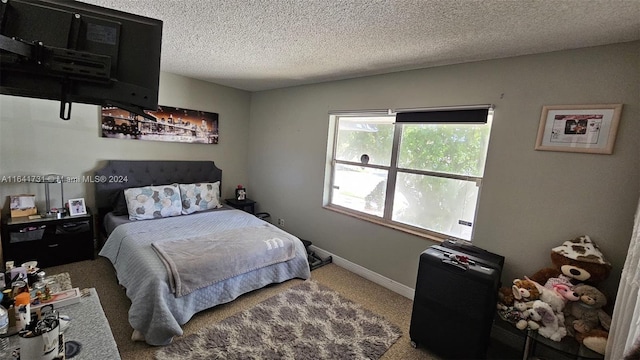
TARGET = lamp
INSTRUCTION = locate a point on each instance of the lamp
(52, 179)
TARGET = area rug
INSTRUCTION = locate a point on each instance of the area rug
(307, 321)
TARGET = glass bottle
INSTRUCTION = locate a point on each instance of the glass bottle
(39, 287)
(7, 304)
(4, 327)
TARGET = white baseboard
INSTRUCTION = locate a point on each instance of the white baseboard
(366, 273)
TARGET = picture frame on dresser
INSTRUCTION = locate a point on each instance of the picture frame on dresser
(23, 205)
(241, 194)
(77, 207)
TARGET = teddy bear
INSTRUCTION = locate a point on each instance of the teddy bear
(575, 261)
(514, 303)
(522, 290)
(505, 297)
(586, 320)
(525, 290)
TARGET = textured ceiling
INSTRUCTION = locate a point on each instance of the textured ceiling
(266, 44)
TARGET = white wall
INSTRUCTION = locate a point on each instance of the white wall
(34, 140)
(531, 200)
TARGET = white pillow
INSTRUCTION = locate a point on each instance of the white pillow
(152, 202)
(198, 197)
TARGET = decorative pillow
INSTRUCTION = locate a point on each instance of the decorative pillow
(152, 202)
(118, 203)
(198, 197)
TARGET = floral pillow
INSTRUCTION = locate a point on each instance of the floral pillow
(198, 197)
(152, 202)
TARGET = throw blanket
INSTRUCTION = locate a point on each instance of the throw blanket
(201, 261)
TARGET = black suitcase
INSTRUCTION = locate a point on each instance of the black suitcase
(454, 303)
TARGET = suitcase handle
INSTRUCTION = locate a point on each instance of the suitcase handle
(469, 248)
(459, 265)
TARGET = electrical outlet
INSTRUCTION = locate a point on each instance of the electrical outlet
(281, 222)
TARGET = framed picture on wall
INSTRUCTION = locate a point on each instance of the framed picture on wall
(579, 128)
(166, 124)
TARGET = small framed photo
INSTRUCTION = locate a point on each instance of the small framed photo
(241, 194)
(579, 128)
(23, 205)
(77, 207)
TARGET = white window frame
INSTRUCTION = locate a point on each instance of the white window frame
(393, 170)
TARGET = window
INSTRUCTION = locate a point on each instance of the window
(419, 171)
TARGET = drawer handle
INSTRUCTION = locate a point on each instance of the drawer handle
(53, 245)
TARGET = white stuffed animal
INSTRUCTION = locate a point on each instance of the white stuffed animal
(551, 327)
(528, 317)
(551, 297)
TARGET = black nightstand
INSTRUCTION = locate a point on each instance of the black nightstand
(242, 204)
(50, 241)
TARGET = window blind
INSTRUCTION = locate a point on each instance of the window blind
(443, 116)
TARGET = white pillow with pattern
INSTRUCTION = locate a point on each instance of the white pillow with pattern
(153, 202)
(198, 197)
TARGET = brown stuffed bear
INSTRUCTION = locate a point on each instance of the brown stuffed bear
(575, 261)
(521, 290)
(586, 320)
(525, 290)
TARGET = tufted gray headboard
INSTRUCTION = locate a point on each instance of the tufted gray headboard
(118, 175)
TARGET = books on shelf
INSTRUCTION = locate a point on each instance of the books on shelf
(59, 299)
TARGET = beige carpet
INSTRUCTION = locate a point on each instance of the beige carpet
(100, 274)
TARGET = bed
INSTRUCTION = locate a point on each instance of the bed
(164, 295)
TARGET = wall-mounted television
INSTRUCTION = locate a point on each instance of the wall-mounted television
(76, 52)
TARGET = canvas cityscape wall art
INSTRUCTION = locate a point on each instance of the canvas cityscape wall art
(169, 124)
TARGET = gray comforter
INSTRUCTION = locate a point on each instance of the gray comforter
(155, 311)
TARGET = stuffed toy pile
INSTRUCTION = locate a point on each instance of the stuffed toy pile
(563, 299)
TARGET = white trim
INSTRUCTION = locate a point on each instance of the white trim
(366, 273)
(360, 113)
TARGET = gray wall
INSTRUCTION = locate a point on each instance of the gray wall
(34, 140)
(275, 143)
(531, 200)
